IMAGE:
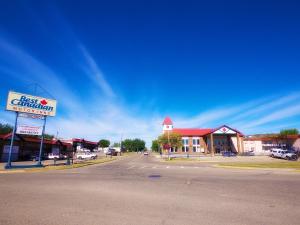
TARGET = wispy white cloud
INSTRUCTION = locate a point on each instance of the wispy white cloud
(27, 68)
(268, 105)
(218, 116)
(94, 73)
(276, 115)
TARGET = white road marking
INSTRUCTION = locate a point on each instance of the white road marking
(154, 167)
(143, 167)
(182, 167)
(196, 167)
(130, 167)
(167, 167)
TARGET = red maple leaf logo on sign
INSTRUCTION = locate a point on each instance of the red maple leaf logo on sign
(224, 129)
(44, 102)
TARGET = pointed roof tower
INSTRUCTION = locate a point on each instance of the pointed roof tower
(167, 121)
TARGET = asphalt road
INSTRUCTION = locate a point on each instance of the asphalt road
(139, 190)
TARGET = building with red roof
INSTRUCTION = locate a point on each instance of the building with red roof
(206, 140)
(27, 147)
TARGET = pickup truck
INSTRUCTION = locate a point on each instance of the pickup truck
(86, 155)
(283, 154)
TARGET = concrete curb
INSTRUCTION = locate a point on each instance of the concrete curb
(53, 168)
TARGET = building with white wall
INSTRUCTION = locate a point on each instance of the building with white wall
(262, 144)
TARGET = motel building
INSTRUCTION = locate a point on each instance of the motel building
(199, 141)
(26, 147)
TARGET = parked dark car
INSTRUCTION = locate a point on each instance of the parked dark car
(36, 157)
(248, 153)
(112, 152)
(228, 154)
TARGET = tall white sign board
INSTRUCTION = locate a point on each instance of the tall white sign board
(19, 102)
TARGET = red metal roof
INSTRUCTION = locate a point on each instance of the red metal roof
(192, 131)
(167, 121)
(200, 132)
(35, 139)
(274, 137)
(4, 136)
(85, 141)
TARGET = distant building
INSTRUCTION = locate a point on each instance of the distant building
(262, 144)
(206, 141)
(80, 143)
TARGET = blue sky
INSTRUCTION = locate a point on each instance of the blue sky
(117, 68)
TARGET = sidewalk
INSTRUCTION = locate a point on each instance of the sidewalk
(44, 162)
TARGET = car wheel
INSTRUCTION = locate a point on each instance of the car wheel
(80, 158)
(294, 158)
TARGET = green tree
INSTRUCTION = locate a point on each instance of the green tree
(103, 143)
(5, 128)
(172, 140)
(133, 145)
(127, 145)
(138, 144)
(155, 146)
(48, 136)
(286, 132)
(116, 145)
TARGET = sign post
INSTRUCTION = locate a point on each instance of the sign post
(8, 165)
(42, 140)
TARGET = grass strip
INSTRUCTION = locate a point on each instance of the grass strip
(264, 165)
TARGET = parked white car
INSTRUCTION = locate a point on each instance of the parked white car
(283, 154)
(56, 156)
(86, 155)
(53, 156)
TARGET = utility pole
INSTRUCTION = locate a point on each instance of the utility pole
(168, 145)
(121, 144)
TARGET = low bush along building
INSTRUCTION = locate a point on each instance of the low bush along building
(206, 141)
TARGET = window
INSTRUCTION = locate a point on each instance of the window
(185, 148)
(185, 144)
(174, 149)
(196, 144)
(185, 141)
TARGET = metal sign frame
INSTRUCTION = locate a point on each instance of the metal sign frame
(39, 163)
